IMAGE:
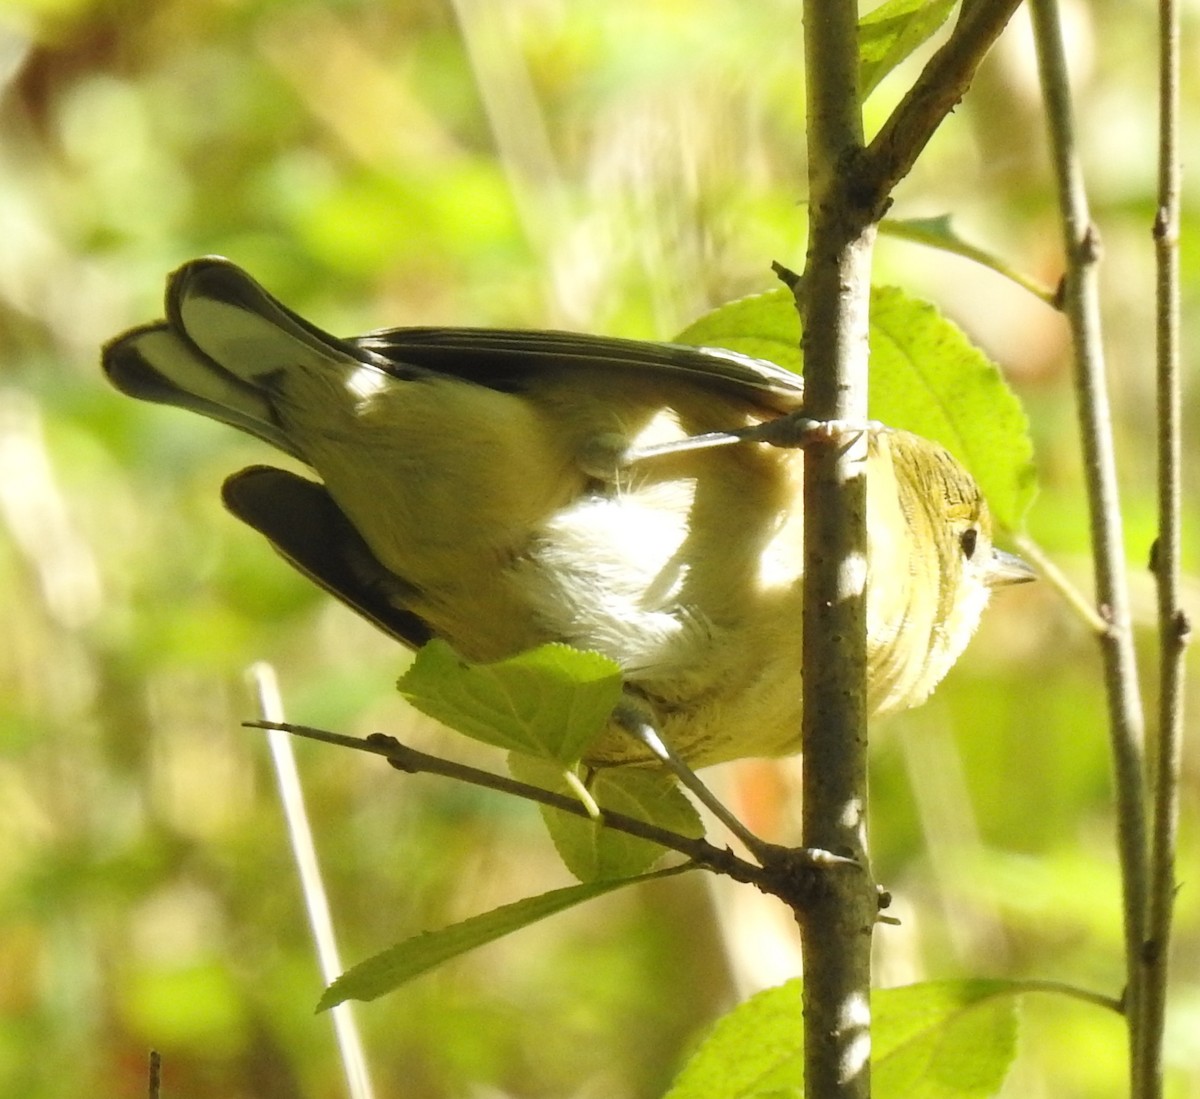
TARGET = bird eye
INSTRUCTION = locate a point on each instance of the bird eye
(968, 541)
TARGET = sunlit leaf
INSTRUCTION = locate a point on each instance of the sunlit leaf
(401, 963)
(944, 1039)
(939, 1040)
(926, 377)
(887, 35)
(755, 1050)
(592, 851)
(763, 325)
(549, 702)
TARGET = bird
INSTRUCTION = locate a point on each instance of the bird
(501, 489)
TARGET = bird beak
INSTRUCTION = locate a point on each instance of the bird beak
(1008, 568)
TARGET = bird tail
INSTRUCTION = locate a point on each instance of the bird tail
(223, 339)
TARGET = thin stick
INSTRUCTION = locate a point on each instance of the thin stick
(270, 705)
(410, 760)
(154, 1089)
(1081, 301)
(1173, 625)
(937, 91)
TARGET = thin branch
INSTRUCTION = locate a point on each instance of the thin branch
(1173, 625)
(154, 1088)
(769, 879)
(1081, 304)
(942, 84)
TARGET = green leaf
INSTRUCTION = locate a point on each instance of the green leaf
(404, 961)
(593, 852)
(887, 35)
(944, 1039)
(934, 382)
(548, 702)
(926, 377)
(939, 1040)
(939, 232)
(766, 326)
(755, 1050)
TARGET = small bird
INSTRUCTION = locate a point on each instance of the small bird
(502, 489)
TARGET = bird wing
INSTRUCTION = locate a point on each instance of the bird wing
(224, 336)
(304, 525)
(510, 359)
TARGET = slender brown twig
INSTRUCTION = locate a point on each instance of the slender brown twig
(1081, 305)
(784, 873)
(937, 91)
(1173, 626)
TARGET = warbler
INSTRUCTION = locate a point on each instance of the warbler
(502, 489)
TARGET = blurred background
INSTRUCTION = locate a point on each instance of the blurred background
(619, 168)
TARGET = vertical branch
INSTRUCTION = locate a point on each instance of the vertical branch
(1081, 303)
(836, 926)
(1173, 625)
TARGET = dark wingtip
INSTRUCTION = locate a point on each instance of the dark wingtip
(130, 371)
(210, 277)
(305, 526)
(121, 360)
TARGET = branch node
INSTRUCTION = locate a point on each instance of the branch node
(1059, 299)
(397, 754)
(1091, 249)
(1166, 227)
(786, 275)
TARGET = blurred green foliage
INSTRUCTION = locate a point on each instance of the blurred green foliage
(618, 167)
